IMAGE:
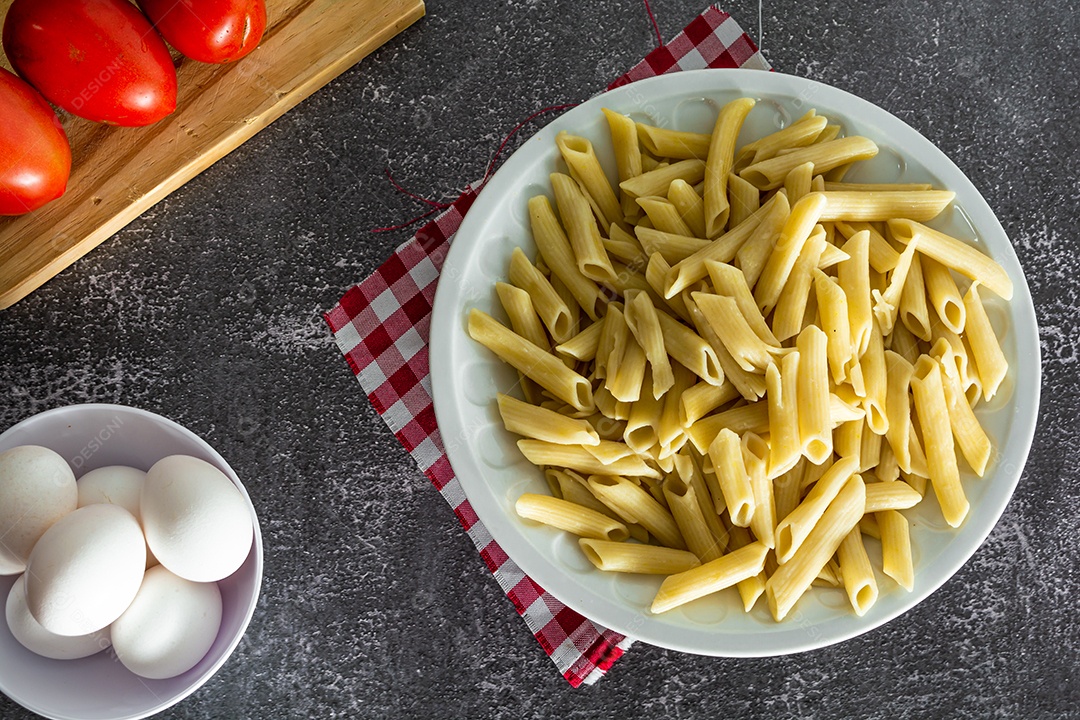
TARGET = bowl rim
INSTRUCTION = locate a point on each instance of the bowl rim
(445, 325)
(257, 549)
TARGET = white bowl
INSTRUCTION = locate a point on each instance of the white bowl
(99, 687)
(465, 376)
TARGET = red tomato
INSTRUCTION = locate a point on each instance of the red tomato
(210, 31)
(98, 59)
(35, 158)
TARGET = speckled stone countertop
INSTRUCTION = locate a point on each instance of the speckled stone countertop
(375, 604)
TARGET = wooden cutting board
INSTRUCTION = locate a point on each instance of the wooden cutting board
(117, 173)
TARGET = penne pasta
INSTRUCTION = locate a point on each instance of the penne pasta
(859, 581)
(689, 204)
(944, 295)
(933, 413)
(955, 255)
(684, 587)
(721, 158)
(637, 505)
(683, 503)
(531, 421)
(921, 205)
(656, 181)
(800, 223)
(580, 459)
(644, 323)
(743, 199)
(985, 348)
(557, 253)
(667, 143)
(570, 517)
(896, 495)
(726, 454)
(793, 530)
(548, 305)
(591, 259)
(785, 442)
(580, 158)
(636, 558)
(814, 417)
(770, 174)
(523, 318)
(896, 548)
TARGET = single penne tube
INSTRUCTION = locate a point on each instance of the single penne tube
(798, 181)
(746, 418)
(854, 277)
(584, 345)
(758, 247)
(954, 254)
(637, 505)
(722, 314)
(847, 439)
(636, 558)
(622, 245)
(613, 332)
(690, 473)
(799, 134)
(713, 576)
(785, 444)
(913, 309)
(883, 257)
(985, 348)
(919, 205)
(577, 217)
(573, 488)
(725, 452)
(787, 491)
(887, 303)
(743, 198)
(523, 318)
(670, 429)
(896, 548)
(919, 465)
(534, 363)
(641, 318)
(536, 422)
(933, 414)
(969, 434)
(750, 385)
(549, 306)
(790, 311)
(830, 254)
(579, 156)
(558, 254)
(724, 248)
(944, 295)
(729, 280)
(624, 141)
(570, 517)
(664, 215)
(770, 174)
(814, 419)
(876, 382)
(800, 224)
(887, 469)
(610, 451)
(674, 248)
(897, 495)
(833, 308)
(579, 459)
(683, 504)
(626, 381)
(721, 158)
(756, 458)
(655, 182)
(876, 187)
(642, 426)
(688, 348)
(793, 577)
(656, 275)
(698, 401)
(689, 204)
(667, 143)
(793, 530)
(831, 132)
(859, 581)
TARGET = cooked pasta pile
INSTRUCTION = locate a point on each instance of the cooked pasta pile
(735, 365)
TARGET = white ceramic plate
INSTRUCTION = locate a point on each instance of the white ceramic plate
(465, 376)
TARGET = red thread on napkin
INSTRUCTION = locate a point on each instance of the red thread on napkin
(382, 326)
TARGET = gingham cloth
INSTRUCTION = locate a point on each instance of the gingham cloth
(382, 324)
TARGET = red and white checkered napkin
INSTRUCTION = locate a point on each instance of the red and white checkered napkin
(382, 324)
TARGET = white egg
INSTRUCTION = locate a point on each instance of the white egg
(37, 488)
(37, 639)
(85, 570)
(197, 522)
(115, 485)
(169, 626)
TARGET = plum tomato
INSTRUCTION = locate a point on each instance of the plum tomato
(210, 31)
(98, 59)
(35, 158)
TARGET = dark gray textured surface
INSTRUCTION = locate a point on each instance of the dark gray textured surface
(375, 604)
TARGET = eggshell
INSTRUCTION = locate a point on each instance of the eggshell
(115, 485)
(37, 488)
(85, 570)
(197, 523)
(37, 639)
(169, 627)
